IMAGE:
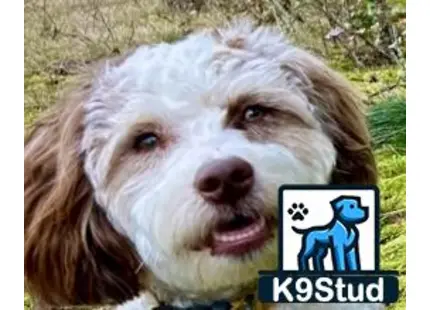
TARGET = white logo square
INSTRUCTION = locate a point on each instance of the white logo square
(329, 228)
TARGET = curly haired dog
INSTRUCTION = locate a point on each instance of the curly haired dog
(159, 172)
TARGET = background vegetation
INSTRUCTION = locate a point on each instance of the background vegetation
(364, 39)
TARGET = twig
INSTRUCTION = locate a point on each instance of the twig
(385, 89)
(393, 213)
(131, 37)
(288, 10)
(105, 23)
(46, 17)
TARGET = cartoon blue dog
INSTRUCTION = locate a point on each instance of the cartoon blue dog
(340, 235)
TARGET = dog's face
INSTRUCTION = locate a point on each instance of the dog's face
(351, 212)
(184, 146)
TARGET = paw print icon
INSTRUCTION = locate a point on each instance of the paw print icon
(298, 211)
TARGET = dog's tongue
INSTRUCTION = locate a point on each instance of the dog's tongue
(239, 236)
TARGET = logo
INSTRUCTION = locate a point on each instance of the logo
(328, 248)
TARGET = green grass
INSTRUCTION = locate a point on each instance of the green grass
(388, 125)
(393, 216)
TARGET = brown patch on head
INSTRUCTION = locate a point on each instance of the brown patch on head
(220, 37)
(237, 42)
(339, 108)
(277, 110)
(72, 254)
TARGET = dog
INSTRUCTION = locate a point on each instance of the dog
(340, 235)
(154, 180)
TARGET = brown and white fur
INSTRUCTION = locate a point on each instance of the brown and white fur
(106, 218)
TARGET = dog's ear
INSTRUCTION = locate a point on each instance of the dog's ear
(340, 109)
(72, 254)
(337, 203)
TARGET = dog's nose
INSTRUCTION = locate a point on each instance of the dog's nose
(224, 181)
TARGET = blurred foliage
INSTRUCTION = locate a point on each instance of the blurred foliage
(388, 124)
(367, 32)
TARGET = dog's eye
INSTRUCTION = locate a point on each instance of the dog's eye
(351, 206)
(254, 113)
(145, 142)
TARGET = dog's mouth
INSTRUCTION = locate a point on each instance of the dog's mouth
(241, 235)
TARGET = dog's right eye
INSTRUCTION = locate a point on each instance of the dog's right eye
(145, 142)
(254, 113)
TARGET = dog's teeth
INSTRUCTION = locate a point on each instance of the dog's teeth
(246, 233)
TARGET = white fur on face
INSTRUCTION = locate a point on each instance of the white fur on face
(184, 90)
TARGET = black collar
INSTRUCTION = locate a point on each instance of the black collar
(248, 304)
